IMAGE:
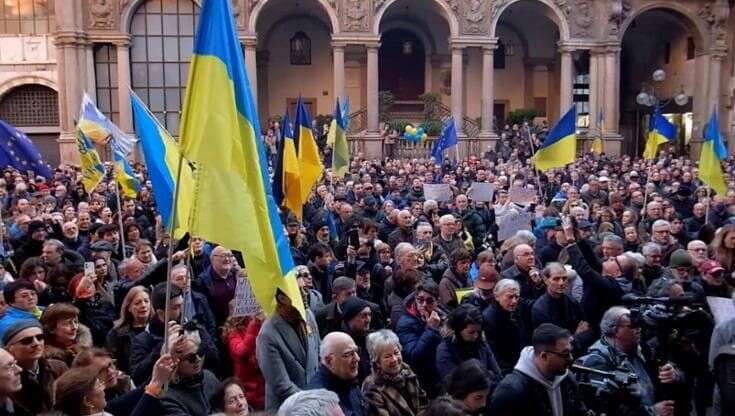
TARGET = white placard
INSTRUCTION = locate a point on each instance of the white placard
(244, 301)
(509, 223)
(481, 192)
(522, 196)
(722, 309)
(439, 192)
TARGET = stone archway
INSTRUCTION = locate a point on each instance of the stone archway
(324, 5)
(551, 10)
(445, 11)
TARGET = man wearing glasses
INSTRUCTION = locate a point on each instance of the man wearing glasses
(24, 340)
(10, 381)
(220, 281)
(540, 384)
(22, 299)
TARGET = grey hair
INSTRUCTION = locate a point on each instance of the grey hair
(378, 340)
(615, 239)
(660, 223)
(636, 258)
(429, 205)
(309, 403)
(525, 236)
(446, 218)
(54, 242)
(611, 318)
(505, 284)
(553, 266)
(401, 250)
(650, 248)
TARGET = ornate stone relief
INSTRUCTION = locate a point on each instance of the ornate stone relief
(496, 6)
(238, 7)
(252, 4)
(619, 11)
(355, 15)
(715, 14)
(474, 17)
(580, 14)
(101, 14)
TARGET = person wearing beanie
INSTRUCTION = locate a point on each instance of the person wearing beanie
(31, 245)
(25, 341)
(677, 279)
(22, 299)
(356, 317)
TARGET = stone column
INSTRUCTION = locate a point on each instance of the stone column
(338, 60)
(251, 66)
(428, 73)
(373, 105)
(595, 102)
(715, 79)
(457, 85)
(566, 79)
(612, 92)
(488, 93)
(123, 85)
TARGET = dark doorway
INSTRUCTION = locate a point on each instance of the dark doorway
(401, 61)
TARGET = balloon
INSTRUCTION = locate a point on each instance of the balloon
(425, 136)
(420, 131)
(408, 128)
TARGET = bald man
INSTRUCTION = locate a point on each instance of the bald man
(219, 281)
(340, 359)
(525, 273)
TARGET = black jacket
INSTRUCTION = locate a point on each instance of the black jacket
(98, 315)
(519, 394)
(506, 335)
(351, 399)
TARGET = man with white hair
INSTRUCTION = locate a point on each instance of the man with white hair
(448, 239)
(661, 235)
(340, 360)
(319, 402)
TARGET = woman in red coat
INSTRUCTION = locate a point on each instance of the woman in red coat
(240, 334)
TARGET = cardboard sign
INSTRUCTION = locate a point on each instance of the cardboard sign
(509, 223)
(461, 293)
(522, 196)
(439, 192)
(244, 301)
(481, 192)
(723, 309)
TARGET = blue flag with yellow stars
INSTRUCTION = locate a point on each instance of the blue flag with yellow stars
(18, 151)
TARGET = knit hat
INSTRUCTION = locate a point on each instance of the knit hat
(353, 306)
(680, 258)
(19, 327)
(36, 225)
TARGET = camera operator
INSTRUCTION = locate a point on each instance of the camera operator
(540, 384)
(619, 348)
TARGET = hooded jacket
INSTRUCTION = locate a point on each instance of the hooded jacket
(525, 391)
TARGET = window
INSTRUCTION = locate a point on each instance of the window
(105, 74)
(31, 17)
(163, 40)
(690, 48)
(499, 56)
(30, 105)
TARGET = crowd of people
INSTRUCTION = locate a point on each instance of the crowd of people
(413, 306)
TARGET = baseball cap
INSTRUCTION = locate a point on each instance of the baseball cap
(710, 266)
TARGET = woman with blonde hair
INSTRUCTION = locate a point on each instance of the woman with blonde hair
(723, 247)
(135, 313)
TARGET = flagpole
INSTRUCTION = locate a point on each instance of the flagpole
(538, 172)
(119, 205)
(706, 207)
(169, 258)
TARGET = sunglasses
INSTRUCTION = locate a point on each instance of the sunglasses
(194, 357)
(29, 340)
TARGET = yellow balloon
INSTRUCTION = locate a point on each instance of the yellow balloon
(408, 129)
(425, 136)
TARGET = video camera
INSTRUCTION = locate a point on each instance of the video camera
(608, 392)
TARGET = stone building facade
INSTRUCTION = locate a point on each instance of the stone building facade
(481, 58)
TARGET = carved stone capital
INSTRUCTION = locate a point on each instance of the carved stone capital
(101, 14)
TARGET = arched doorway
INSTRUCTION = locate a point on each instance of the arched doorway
(401, 61)
(34, 109)
(656, 39)
(527, 64)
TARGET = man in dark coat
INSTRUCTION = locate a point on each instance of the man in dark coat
(540, 384)
(340, 361)
(329, 317)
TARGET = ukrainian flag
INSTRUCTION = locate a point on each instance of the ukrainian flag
(124, 174)
(287, 178)
(220, 133)
(661, 131)
(92, 168)
(310, 165)
(713, 151)
(560, 145)
(100, 129)
(340, 149)
(162, 156)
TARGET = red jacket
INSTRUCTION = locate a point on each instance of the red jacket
(241, 345)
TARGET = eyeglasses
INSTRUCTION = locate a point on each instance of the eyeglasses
(223, 256)
(194, 357)
(351, 353)
(427, 300)
(562, 354)
(29, 340)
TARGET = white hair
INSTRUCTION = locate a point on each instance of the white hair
(379, 340)
(309, 403)
(505, 284)
(611, 318)
(401, 250)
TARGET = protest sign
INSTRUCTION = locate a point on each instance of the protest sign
(245, 303)
(462, 293)
(481, 192)
(509, 223)
(440, 192)
(722, 309)
(520, 195)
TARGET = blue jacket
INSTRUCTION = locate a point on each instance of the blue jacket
(13, 315)
(451, 353)
(351, 399)
(419, 343)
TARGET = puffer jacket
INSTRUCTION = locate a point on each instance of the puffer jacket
(241, 346)
(419, 342)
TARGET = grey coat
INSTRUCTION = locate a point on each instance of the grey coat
(286, 366)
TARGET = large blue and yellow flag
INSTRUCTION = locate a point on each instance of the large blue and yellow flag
(17, 150)
(162, 156)
(287, 179)
(310, 164)
(560, 145)
(93, 171)
(660, 131)
(713, 151)
(220, 133)
(100, 129)
(340, 147)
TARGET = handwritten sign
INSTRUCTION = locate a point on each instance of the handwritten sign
(481, 192)
(244, 301)
(509, 223)
(440, 192)
(722, 309)
(520, 195)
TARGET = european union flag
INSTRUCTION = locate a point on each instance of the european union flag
(18, 151)
(446, 140)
